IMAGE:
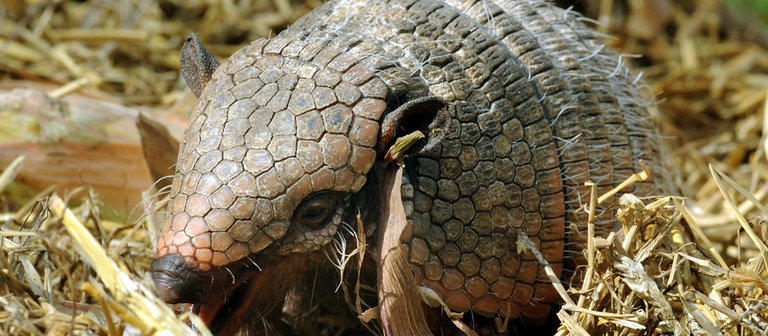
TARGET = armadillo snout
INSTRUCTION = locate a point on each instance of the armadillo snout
(176, 283)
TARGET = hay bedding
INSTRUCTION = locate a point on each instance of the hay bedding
(75, 75)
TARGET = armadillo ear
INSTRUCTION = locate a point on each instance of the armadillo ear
(426, 114)
(197, 64)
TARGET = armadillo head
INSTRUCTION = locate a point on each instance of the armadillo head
(282, 142)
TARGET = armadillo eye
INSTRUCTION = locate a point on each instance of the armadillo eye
(315, 210)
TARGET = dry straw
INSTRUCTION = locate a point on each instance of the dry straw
(69, 265)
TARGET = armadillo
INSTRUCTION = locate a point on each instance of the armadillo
(520, 102)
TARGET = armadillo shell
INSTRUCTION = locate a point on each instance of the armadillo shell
(538, 107)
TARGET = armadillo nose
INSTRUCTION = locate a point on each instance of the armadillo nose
(176, 283)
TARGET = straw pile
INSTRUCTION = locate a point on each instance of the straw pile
(74, 241)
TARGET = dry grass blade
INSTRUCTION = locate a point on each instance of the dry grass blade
(10, 172)
(133, 301)
(569, 325)
(719, 177)
(402, 144)
(399, 304)
(430, 297)
(524, 241)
